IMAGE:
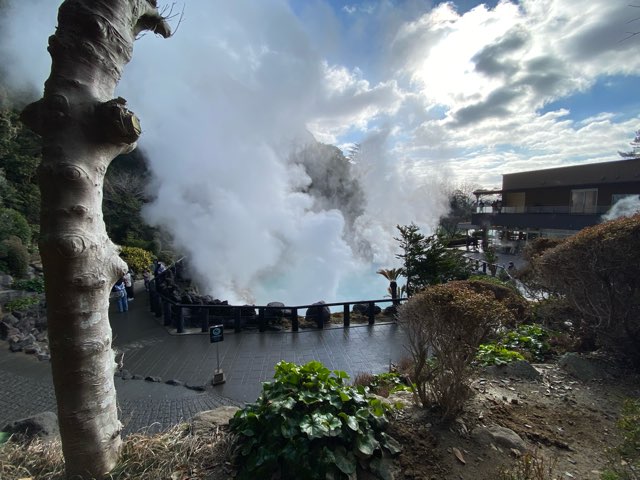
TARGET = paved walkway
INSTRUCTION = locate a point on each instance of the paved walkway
(150, 350)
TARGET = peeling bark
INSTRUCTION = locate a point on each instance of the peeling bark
(83, 129)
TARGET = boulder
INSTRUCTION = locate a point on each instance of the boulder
(7, 330)
(501, 436)
(275, 310)
(208, 421)
(519, 369)
(581, 367)
(5, 280)
(318, 313)
(43, 425)
(363, 309)
(10, 319)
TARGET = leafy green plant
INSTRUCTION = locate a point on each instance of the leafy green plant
(493, 354)
(524, 342)
(309, 423)
(35, 284)
(22, 303)
(529, 339)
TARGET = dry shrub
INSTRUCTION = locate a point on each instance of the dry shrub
(37, 459)
(508, 295)
(174, 453)
(529, 274)
(596, 270)
(444, 325)
(530, 466)
(363, 379)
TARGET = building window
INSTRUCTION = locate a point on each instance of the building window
(584, 200)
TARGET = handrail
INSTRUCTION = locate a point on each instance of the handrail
(164, 306)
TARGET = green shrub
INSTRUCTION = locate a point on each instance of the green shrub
(20, 304)
(444, 326)
(35, 284)
(138, 259)
(308, 423)
(13, 223)
(16, 256)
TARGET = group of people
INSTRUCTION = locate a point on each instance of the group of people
(123, 290)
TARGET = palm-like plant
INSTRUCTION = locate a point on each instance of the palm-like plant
(392, 275)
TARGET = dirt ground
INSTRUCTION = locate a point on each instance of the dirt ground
(567, 422)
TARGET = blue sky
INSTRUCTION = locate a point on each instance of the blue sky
(439, 95)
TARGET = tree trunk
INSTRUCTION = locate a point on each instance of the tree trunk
(83, 130)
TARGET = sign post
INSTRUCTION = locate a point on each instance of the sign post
(216, 335)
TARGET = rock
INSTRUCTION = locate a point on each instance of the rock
(126, 375)
(175, 383)
(31, 349)
(318, 313)
(44, 357)
(10, 319)
(153, 379)
(137, 377)
(6, 280)
(210, 420)
(197, 388)
(275, 310)
(18, 342)
(580, 367)
(363, 309)
(7, 330)
(498, 435)
(43, 425)
(518, 369)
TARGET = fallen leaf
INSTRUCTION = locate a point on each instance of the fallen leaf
(459, 456)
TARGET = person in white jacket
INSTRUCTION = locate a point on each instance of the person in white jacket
(128, 283)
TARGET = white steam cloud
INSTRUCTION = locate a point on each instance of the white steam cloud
(225, 105)
(625, 207)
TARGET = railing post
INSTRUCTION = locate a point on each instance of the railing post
(204, 319)
(372, 314)
(237, 317)
(262, 323)
(295, 325)
(346, 316)
(166, 311)
(179, 319)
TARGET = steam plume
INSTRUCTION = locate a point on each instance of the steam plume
(262, 211)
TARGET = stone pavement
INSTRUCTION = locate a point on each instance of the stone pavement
(150, 350)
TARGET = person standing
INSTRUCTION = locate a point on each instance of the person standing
(146, 276)
(120, 289)
(128, 283)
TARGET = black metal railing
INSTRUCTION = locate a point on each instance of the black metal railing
(175, 313)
